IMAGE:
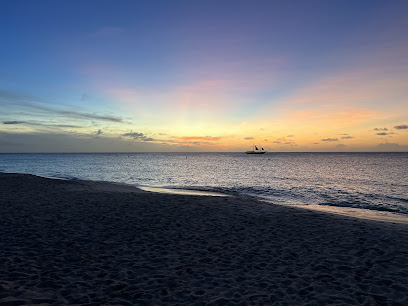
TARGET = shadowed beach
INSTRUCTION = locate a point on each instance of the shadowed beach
(82, 242)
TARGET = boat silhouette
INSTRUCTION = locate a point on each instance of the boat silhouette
(255, 150)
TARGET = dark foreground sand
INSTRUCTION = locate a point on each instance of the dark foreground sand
(68, 242)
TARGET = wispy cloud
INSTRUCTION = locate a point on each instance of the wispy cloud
(33, 104)
(13, 122)
(329, 139)
(249, 138)
(284, 141)
(138, 136)
(384, 133)
(401, 127)
(59, 125)
(72, 142)
(281, 140)
(85, 115)
(380, 129)
(52, 125)
(347, 137)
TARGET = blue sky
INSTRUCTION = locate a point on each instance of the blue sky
(229, 70)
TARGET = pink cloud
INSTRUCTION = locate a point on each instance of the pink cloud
(357, 87)
(202, 96)
(360, 95)
(236, 75)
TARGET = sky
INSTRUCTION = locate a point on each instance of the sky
(198, 76)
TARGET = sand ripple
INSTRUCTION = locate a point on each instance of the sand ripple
(64, 242)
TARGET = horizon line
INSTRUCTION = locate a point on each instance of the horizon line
(243, 152)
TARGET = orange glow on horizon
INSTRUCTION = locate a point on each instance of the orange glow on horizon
(197, 138)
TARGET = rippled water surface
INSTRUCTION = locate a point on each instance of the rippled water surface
(377, 181)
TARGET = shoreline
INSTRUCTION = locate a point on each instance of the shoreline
(359, 213)
(82, 242)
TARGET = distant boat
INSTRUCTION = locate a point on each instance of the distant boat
(255, 150)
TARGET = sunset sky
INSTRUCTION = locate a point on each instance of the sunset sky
(151, 76)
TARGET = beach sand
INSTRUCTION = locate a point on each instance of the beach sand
(76, 242)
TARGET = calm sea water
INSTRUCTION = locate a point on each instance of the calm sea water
(376, 181)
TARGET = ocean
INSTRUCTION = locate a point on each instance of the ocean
(374, 181)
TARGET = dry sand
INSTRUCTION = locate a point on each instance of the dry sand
(73, 242)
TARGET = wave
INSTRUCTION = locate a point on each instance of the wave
(309, 196)
(367, 181)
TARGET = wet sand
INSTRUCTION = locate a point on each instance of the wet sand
(75, 242)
